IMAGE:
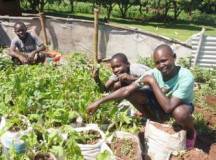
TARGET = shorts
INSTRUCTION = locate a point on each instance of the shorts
(155, 107)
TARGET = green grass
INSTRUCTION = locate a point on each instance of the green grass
(177, 31)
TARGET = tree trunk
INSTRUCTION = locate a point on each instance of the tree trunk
(175, 10)
(109, 11)
(11, 8)
(140, 8)
(72, 6)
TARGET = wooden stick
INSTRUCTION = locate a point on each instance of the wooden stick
(43, 26)
(96, 15)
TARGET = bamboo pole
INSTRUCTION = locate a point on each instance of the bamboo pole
(95, 45)
(43, 27)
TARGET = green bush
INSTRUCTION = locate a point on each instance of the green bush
(82, 7)
(148, 61)
(204, 18)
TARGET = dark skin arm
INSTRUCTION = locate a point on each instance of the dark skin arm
(112, 85)
(127, 78)
(39, 49)
(24, 58)
(101, 85)
(168, 104)
(116, 95)
(21, 56)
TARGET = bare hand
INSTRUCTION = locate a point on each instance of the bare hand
(23, 59)
(31, 56)
(92, 107)
(124, 77)
(148, 79)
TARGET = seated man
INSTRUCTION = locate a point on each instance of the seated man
(170, 92)
(26, 47)
(124, 73)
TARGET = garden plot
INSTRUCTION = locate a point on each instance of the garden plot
(51, 96)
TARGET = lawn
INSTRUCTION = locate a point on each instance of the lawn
(180, 30)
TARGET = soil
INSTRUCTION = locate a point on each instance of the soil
(212, 152)
(209, 116)
(89, 137)
(168, 129)
(44, 156)
(194, 154)
(206, 139)
(211, 100)
(124, 149)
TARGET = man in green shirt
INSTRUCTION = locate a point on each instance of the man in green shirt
(170, 92)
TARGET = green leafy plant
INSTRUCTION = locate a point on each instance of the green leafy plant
(88, 137)
(104, 156)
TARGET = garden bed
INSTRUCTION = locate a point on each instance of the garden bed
(55, 99)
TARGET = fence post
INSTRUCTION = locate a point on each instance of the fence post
(43, 27)
(96, 15)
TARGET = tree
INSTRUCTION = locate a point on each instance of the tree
(10, 7)
(160, 7)
(190, 5)
(208, 6)
(108, 5)
(177, 8)
(38, 5)
(71, 2)
(143, 3)
(124, 5)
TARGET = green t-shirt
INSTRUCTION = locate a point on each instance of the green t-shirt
(180, 86)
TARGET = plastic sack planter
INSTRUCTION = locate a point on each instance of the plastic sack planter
(90, 151)
(160, 143)
(2, 122)
(133, 149)
(13, 138)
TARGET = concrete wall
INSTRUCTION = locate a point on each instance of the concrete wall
(71, 35)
